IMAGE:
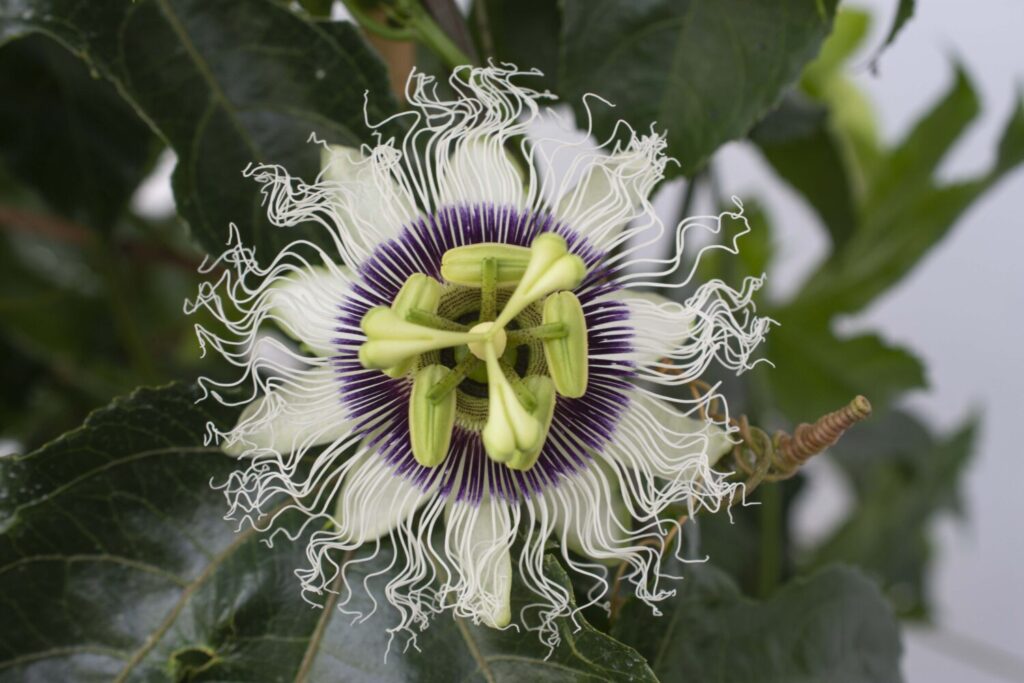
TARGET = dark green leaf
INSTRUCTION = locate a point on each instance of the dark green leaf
(903, 477)
(834, 626)
(904, 11)
(798, 142)
(816, 372)
(455, 650)
(226, 84)
(706, 70)
(523, 32)
(68, 135)
(115, 563)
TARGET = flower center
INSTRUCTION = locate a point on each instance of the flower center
(407, 336)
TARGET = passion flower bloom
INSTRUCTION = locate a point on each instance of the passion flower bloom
(481, 371)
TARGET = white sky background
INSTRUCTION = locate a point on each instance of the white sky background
(960, 310)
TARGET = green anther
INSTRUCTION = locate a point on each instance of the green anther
(544, 391)
(550, 269)
(567, 355)
(511, 431)
(489, 289)
(430, 422)
(428, 319)
(454, 377)
(419, 293)
(464, 265)
(392, 340)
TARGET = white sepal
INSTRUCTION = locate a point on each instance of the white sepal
(374, 500)
(305, 305)
(302, 412)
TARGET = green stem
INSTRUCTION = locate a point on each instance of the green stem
(540, 332)
(769, 512)
(489, 289)
(770, 556)
(430, 34)
(376, 27)
(523, 392)
(453, 378)
(432, 320)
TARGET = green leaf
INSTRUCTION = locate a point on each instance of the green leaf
(904, 11)
(909, 167)
(908, 213)
(68, 135)
(226, 84)
(706, 70)
(799, 143)
(523, 32)
(833, 626)
(116, 564)
(903, 477)
(816, 372)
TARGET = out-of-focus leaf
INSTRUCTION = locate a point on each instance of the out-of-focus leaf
(903, 477)
(799, 143)
(65, 327)
(226, 84)
(833, 626)
(852, 119)
(523, 32)
(69, 135)
(706, 70)
(115, 564)
(1011, 147)
(848, 33)
(909, 167)
(904, 11)
(909, 213)
(816, 372)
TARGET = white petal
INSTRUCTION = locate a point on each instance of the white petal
(660, 325)
(480, 537)
(479, 170)
(590, 515)
(374, 500)
(370, 202)
(613, 190)
(298, 414)
(305, 305)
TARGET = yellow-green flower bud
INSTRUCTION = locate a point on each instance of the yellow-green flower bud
(464, 265)
(430, 422)
(567, 355)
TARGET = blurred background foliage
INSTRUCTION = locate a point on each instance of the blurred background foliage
(93, 283)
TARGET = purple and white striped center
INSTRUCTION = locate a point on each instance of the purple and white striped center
(379, 404)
